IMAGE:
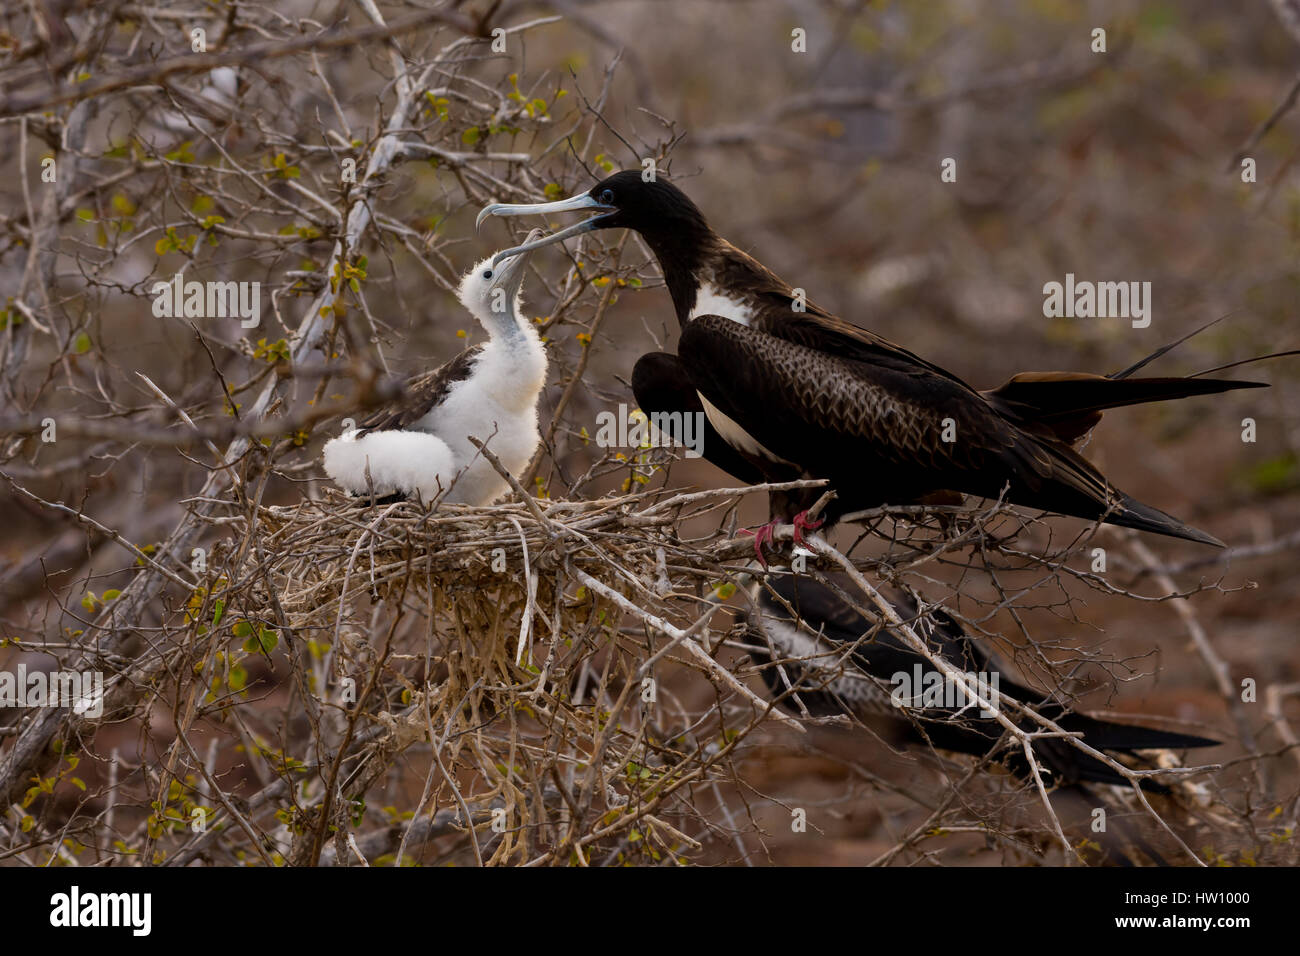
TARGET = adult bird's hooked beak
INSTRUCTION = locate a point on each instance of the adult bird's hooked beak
(508, 267)
(572, 204)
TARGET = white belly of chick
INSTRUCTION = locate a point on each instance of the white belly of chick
(487, 407)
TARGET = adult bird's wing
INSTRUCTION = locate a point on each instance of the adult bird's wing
(1060, 405)
(827, 409)
(422, 393)
(877, 429)
(805, 323)
(660, 384)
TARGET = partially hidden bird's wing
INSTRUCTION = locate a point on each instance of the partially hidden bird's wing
(422, 393)
(660, 384)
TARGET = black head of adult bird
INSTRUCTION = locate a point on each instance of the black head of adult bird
(796, 392)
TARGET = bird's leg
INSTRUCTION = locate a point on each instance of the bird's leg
(762, 535)
(802, 524)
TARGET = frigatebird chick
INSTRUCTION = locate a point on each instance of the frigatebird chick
(420, 448)
(796, 392)
(831, 660)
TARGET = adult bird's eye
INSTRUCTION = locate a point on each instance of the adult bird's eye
(607, 197)
(487, 273)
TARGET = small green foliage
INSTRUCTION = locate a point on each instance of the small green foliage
(1276, 474)
(174, 242)
(264, 642)
(281, 169)
(440, 104)
(184, 153)
(272, 352)
(303, 232)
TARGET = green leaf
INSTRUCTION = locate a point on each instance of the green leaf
(470, 136)
(270, 639)
(81, 344)
(242, 629)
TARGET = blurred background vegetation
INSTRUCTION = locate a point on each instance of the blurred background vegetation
(1120, 165)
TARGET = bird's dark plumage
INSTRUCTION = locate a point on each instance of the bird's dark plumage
(660, 384)
(841, 662)
(794, 391)
(423, 392)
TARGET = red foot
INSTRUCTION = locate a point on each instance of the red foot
(802, 524)
(762, 535)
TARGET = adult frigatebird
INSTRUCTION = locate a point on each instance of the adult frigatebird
(420, 445)
(828, 659)
(796, 392)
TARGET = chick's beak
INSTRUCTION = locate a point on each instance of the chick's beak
(509, 266)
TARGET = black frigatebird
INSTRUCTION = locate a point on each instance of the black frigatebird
(830, 660)
(796, 392)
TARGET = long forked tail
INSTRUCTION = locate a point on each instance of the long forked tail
(1074, 766)
(1069, 404)
(1134, 514)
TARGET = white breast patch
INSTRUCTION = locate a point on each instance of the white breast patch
(710, 301)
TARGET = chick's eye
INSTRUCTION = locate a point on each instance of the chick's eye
(607, 197)
(487, 273)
